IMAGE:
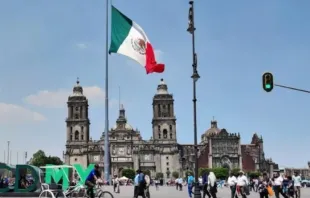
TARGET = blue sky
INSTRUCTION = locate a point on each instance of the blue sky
(45, 45)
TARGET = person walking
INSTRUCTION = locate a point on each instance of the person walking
(242, 183)
(205, 185)
(190, 182)
(232, 183)
(297, 184)
(212, 184)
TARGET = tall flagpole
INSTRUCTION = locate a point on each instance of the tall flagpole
(106, 130)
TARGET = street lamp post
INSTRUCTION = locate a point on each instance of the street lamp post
(195, 76)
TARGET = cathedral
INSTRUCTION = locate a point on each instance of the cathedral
(162, 153)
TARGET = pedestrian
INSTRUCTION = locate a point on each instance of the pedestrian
(205, 185)
(212, 184)
(232, 183)
(242, 183)
(297, 184)
(190, 182)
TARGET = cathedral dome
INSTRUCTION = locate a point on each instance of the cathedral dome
(213, 130)
(77, 89)
(162, 87)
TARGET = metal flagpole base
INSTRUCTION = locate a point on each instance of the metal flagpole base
(197, 191)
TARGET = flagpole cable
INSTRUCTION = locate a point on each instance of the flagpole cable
(106, 138)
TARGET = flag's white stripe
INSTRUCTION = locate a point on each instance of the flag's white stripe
(126, 47)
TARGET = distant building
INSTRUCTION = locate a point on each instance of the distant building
(304, 172)
(162, 153)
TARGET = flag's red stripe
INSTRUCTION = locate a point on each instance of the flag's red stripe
(151, 64)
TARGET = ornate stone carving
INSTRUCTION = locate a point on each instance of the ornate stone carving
(128, 149)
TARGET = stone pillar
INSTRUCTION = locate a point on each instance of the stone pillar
(69, 112)
(171, 110)
(210, 154)
(84, 112)
(68, 133)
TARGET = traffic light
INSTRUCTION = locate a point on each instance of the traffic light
(267, 82)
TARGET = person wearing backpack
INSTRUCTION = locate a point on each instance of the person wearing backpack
(141, 184)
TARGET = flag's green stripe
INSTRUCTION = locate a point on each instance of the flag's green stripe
(120, 28)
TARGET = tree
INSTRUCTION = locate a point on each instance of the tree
(175, 174)
(220, 173)
(129, 173)
(159, 175)
(147, 172)
(189, 172)
(235, 171)
(202, 171)
(40, 159)
(253, 174)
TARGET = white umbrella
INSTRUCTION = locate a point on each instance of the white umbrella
(123, 178)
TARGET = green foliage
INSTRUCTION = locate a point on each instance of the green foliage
(235, 171)
(175, 174)
(147, 172)
(202, 171)
(159, 175)
(40, 159)
(221, 173)
(129, 173)
(189, 172)
(254, 174)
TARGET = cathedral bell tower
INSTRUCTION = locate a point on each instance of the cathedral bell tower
(77, 120)
(164, 121)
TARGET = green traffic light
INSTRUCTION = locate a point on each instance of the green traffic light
(267, 86)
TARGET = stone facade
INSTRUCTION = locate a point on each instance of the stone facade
(161, 153)
(304, 172)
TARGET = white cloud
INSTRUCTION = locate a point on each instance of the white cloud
(81, 45)
(58, 98)
(10, 113)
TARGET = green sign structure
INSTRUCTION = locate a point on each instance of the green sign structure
(52, 173)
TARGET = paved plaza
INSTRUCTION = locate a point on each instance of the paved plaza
(171, 192)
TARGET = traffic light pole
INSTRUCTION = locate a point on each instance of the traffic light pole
(292, 88)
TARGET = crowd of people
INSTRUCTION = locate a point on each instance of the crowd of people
(286, 186)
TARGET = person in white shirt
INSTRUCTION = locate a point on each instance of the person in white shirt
(297, 184)
(277, 185)
(176, 181)
(180, 183)
(116, 184)
(242, 183)
(232, 182)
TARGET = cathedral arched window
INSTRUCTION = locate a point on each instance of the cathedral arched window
(71, 135)
(170, 128)
(82, 137)
(170, 135)
(165, 133)
(76, 135)
(159, 135)
(76, 116)
(82, 129)
(159, 128)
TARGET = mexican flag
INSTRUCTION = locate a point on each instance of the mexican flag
(129, 39)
